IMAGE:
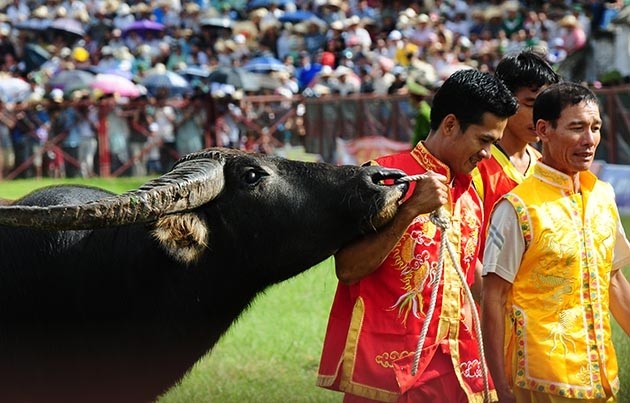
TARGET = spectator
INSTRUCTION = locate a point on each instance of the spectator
(41, 124)
(6, 45)
(190, 126)
(123, 17)
(82, 128)
(18, 11)
(573, 34)
(7, 122)
(347, 82)
(513, 20)
(154, 143)
(117, 130)
(23, 137)
(138, 122)
(357, 35)
(382, 75)
(164, 116)
(176, 59)
(306, 70)
(416, 86)
(314, 38)
(423, 34)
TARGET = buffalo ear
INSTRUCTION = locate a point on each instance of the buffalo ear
(183, 236)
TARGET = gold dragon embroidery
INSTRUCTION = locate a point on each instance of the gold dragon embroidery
(558, 333)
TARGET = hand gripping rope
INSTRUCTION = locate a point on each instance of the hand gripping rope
(439, 219)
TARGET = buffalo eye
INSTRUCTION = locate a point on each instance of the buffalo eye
(253, 176)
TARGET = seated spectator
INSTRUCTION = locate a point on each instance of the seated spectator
(572, 34)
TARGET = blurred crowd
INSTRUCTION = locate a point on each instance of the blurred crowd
(228, 49)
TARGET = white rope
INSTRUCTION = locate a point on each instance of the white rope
(442, 222)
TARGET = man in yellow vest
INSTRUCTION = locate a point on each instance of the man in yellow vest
(551, 266)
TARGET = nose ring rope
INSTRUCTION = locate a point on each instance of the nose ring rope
(438, 218)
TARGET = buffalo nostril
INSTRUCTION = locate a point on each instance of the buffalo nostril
(404, 187)
(383, 176)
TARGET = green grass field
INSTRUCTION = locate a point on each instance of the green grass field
(272, 352)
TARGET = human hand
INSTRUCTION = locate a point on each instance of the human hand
(506, 396)
(430, 193)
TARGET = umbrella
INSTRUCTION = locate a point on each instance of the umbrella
(71, 80)
(34, 57)
(142, 26)
(114, 84)
(160, 78)
(228, 75)
(196, 76)
(216, 22)
(296, 16)
(68, 27)
(266, 3)
(13, 89)
(112, 69)
(264, 64)
(34, 25)
(235, 76)
(302, 26)
(191, 72)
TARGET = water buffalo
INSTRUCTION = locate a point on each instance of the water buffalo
(107, 298)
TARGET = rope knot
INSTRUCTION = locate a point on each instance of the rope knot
(438, 218)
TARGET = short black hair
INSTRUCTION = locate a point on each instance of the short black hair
(527, 69)
(554, 99)
(468, 94)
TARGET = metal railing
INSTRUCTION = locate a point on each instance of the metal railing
(317, 122)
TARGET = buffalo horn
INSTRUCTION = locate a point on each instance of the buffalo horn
(192, 183)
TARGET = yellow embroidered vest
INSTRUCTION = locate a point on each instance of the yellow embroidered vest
(560, 336)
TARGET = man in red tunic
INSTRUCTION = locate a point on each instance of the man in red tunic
(386, 279)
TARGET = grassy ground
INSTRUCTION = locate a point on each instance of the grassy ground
(18, 188)
(272, 352)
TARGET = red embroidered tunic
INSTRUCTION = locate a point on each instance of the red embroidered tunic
(375, 324)
(495, 177)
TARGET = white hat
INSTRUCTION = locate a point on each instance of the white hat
(268, 22)
(337, 25)
(568, 21)
(56, 95)
(395, 35)
(423, 18)
(326, 71)
(240, 39)
(342, 71)
(354, 20)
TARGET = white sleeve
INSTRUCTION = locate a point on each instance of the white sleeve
(505, 244)
(621, 254)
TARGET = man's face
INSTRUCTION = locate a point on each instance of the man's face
(570, 146)
(521, 124)
(471, 146)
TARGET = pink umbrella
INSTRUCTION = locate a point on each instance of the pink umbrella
(115, 84)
